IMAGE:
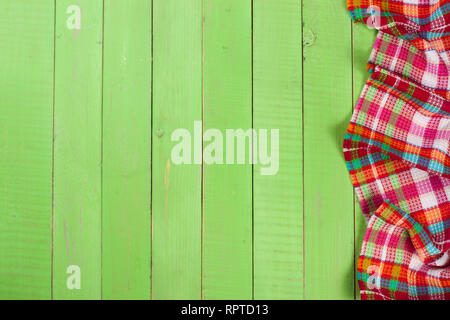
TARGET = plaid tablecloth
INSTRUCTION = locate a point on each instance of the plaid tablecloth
(397, 150)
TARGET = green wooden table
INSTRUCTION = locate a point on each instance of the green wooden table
(90, 93)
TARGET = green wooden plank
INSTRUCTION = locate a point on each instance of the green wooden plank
(363, 40)
(177, 101)
(278, 207)
(126, 225)
(26, 104)
(329, 223)
(77, 149)
(227, 193)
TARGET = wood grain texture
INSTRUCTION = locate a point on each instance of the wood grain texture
(177, 103)
(126, 229)
(278, 207)
(363, 40)
(26, 82)
(227, 190)
(329, 223)
(77, 150)
(138, 225)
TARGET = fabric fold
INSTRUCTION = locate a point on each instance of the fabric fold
(389, 267)
(427, 68)
(420, 236)
(397, 150)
